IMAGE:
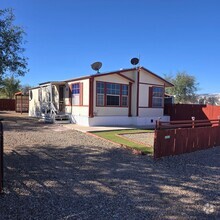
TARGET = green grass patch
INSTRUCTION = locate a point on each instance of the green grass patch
(114, 137)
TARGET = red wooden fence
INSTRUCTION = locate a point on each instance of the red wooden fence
(176, 141)
(7, 105)
(186, 111)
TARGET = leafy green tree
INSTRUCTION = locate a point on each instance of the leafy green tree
(185, 87)
(12, 59)
(10, 86)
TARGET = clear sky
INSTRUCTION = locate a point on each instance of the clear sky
(65, 36)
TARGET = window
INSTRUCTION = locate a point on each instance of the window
(100, 99)
(113, 100)
(113, 89)
(100, 91)
(124, 101)
(76, 94)
(75, 89)
(111, 94)
(157, 97)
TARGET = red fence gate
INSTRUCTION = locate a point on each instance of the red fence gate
(1, 157)
(21, 102)
(185, 137)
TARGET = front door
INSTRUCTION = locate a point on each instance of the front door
(61, 99)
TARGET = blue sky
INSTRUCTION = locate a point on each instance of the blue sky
(65, 36)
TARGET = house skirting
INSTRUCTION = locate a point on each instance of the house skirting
(117, 120)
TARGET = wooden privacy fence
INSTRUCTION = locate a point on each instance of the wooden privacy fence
(185, 136)
(1, 157)
(186, 111)
(7, 104)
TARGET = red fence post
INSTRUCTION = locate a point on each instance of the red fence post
(193, 122)
(157, 125)
(155, 144)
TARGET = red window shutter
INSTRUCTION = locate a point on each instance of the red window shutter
(81, 93)
(150, 97)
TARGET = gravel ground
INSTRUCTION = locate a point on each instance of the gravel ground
(143, 138)
(52, 172)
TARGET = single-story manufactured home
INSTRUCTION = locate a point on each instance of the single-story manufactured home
(125, 97)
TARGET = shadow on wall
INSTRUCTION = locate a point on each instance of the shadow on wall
(76, 181)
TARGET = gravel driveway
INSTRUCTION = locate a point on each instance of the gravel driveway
(52, 172)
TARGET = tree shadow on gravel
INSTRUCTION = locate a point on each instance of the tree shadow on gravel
(26, 125)
(13, 121)
(77, 182)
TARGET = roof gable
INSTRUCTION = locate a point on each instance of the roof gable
(166, 83)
